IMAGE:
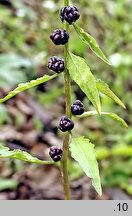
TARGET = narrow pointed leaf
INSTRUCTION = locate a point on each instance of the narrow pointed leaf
(82, 150)
(112, 115)
(24, 86)
(81, 74)
(116, 117)
(91, 42)
(20, 155)
(104, 88)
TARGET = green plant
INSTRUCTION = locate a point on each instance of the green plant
(75, 68)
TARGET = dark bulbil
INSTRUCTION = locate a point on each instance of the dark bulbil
(56, 64)
(70, 14)
(55, 153)
(77, 108)
(59, 37)
(66, 124)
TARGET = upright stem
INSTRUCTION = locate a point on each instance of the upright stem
(68, 113)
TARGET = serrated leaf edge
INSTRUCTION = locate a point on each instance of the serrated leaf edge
(79, 30)
(25, 86)
(99, 190)
(26, 154)
(97, 106)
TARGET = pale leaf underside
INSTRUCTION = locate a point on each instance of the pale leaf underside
(82, 150)
(5, 152)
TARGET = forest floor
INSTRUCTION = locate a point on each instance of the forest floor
(43, 181)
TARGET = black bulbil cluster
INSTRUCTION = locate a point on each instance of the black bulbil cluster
(77, 108)
(69, 14)
(55, 153)
(56, 64)
(60, 37)
(66, 124)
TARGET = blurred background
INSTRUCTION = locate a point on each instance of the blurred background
(29, 121)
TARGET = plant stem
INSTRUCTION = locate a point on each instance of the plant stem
(68, 113)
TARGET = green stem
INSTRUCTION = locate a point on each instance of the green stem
(68, 113)
(67, 81)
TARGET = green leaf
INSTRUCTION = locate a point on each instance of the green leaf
(81, 74)
(24, 86)
(20, 155)
(88, 39)
(8, 183)
(112, 115)
(104, 88)
(82, 150)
